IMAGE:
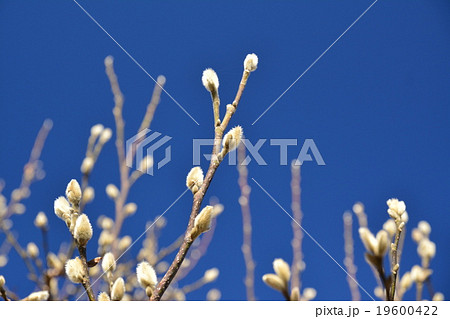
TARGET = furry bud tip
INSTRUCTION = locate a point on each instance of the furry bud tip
(83, 230)
(194, 179)
(210, 80)
(251, 62)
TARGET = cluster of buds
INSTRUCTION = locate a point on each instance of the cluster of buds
(67, 209)
(397, 211)
(426, 249)
(280, 282)
(375, 245)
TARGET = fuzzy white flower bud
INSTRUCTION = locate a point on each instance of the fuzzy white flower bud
(438, 296)
(210, 80)
(124, 242)
(419, 274)
(211, 275)
(87, 165)
(232, 138)
(73, 192)
(75, 270)
(112, 191)
(103, 296)
(194, 179)
(96, 130)
(382, 243)
(2, 281)
(426, 248)
(390, 227)
(282, 269)
(274, 282)
(146, 276)
(32, 250)
(118, 289)
(62, 208)
(108, 262)
(368, 240)
(202, 222)
(83, 230)
(41, 220)
(406, 281)
(105, 136)
(38, 296)
(295, 294)
(213, 295)
(309, 294)
(129, 209)
(88, 194)
(424, 227)
(251, 62)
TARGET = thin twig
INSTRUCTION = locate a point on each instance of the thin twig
(244, 202)
(349, 260)
(86, 282)
(297, 254)
(395, 263)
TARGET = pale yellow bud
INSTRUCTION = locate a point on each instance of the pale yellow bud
(106, 223)
(309, 294)
(146, 163)
(83, 230)
(75, 270)
(425, 228)
(419, 274)
(417, 235)
(369, 240)
(232, 138)
(103, 296)
(274, 282)
(438, 296)
(112, 191)
(382, 243)
(426, 248)
(105, 136)
(105, 238)
(295, 294)
(62, 208)
(41, 220)
(129, 209)
(211, 275)
(108, 262)
(390, 227)
(406, 281)
(251, 62)
(38, 296)
(2, 281)
(96, 130)
(146, 275)
(87, 165)
(118, 289)
(396, 208)
(194, 179)
(73, 192)
(54, 261)
(32, 250)
(88, 194)
(282, 269)
(358, 208)
(213, 295)
(202, 222)
(124, 242)
(210, 80)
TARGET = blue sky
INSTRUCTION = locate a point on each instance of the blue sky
(376, 104)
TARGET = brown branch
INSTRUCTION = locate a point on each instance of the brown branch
(86, 282)
(395, 263)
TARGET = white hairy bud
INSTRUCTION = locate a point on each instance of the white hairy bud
(108, 262)
(73, 192)
(232, 138)
(202, 222)
(41, 220)
(75, 270)
(103, 296)
(210, 80)
(38, 296)
(194, 179)
(211, 275)
(83, 230)
(146, 275)
(112, 191)
(282, 269)
(274, 282)
(96, 130)
(87, 165)
(32, 250)
(251, 62)
(62, 208)
(118, 289)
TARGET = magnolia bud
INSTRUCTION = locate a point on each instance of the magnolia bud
(274, 282)
(83, 230)
(232, 138)
(282, 269)
(41, 220)
(146, 275)
(112, 191)
(251, 62)
(210, 80)
(202, 222)
(103, 296)
(118, 289)
(108, 262)
(38, 296)
(32, 250)
(62, 208)
(87, 165)
(211, 275)
(73, 192)
(194, 179)
(75, 270)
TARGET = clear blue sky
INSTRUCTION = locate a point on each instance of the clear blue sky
(376, 105)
